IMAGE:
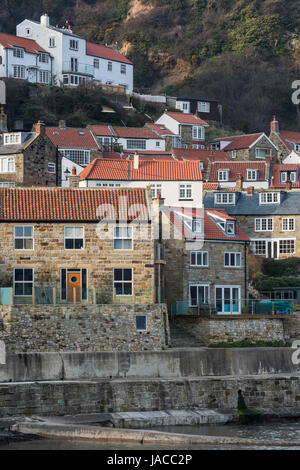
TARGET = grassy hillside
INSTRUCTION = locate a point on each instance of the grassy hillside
(244, 54)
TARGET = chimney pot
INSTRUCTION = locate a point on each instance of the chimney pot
(274, 126)
(40, 128)
(74, 171)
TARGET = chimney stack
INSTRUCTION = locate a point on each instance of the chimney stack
(239, 182)
(45, 20)
(250, 190)
(62, 124)
(40, 128)
(136, 160)
(274, 126)
(74, 178)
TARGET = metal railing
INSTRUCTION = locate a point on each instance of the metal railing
(70, 67)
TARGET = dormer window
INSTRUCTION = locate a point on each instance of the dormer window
(252, 175)
(198, 132)
(224, 198)
(223, 175)
(18, 52)
(43, 57)
(197, 225)
(14, 138)
(260, 152)
(230, 227)
(269, 198)
(288, 176)
(283, 176)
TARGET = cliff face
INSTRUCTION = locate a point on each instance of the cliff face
(244, 54)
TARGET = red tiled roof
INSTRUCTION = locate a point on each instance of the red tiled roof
(239, 141)
(9, 40)
(136, 133)
(277, 169)
(186, 118)
(289, 136)
(238, 168)
(98, 50)
(71, 137)
(210, 186)
(64, 204)
(211, 229)
(202, 155)
(100, 169)
(159, 128)
(101, 130)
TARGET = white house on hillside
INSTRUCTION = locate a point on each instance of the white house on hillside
(75, 60)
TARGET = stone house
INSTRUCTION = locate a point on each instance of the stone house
(255, 147)
(287, 142)
(29, 159)
(206, 261)
(188, 129)
(270, 218)
(240, 174)
(176, 182)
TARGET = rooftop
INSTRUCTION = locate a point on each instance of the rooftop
(10, 41)
(71, 137)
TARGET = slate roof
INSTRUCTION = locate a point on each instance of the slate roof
(64, 204)
(248, 204)
(17, 148)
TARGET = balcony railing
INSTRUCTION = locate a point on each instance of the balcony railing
(233, 307)
(84, 69)
(56, 296)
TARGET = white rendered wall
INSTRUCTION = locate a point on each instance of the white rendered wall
(150, 144)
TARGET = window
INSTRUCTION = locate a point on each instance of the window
(199, 258)
(133, 144)
(224, 198)
(23, 237)
(223, 175)
(252, 175)
(7, 165)
(287, 247)
(81, 157)
(44, 76)
(269, 198)
(156, 190)
(23, 281)
(185, 191)
(123, 69)
(65, 79)
(18, 52)
(232, 260)
(52, 42)
(199, 294)
(264, 225)
(109, 66)
(51, 168)
(122, 238)
(123, 281)
(288, 224)
(203, 107)
(18, 71)
(141, 322)
(259, 247)
(233, 154)
(28, 32)
(43, 57)
(197, 225)
(283, 176)
(73, 238)
(96, 63)
(228, 299)
(293, 176)
(198, 132)
(157, 143)
(230, 227)
(74, 44)
(260, 153)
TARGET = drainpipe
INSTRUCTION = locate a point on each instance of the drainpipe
(246, 271)
(7, 63)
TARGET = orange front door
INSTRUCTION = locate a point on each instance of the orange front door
(74, 282)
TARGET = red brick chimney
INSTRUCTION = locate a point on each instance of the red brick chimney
(288, 185)
(40, 128)
(74, 171)
(250, 190)
(274, 126)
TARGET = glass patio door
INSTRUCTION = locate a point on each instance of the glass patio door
(228, 299)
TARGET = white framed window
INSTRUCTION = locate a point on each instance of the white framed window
(74, 238)
(122, 238)
(252, 175)
(123, 283)
(74, 44)
(18, 71)
(109, 66)
(288, 224)
(123, 69)
(198, 132)
(203, 106)
(43, 57)
(185, 191)
(223, 175)
(224, 198)
(269, 198)
(197, 225)
(52, 42)
(23, 281)
(133, 144)
(156, 190)
(198, 294)
(263, 224)
(260, 152)
(28, 32)
(51, 167)
(44, 76)
(199, 258)
(81, 157)
(259, 247)
(228, 299)
(96, 63)
(23, 237)
(287, 247)
(233, 154)
(18, 52)
(283, 176)
(230, 227)
(293, 176)
(7, 165)
(232, 260)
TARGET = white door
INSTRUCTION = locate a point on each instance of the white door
(228, 299)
